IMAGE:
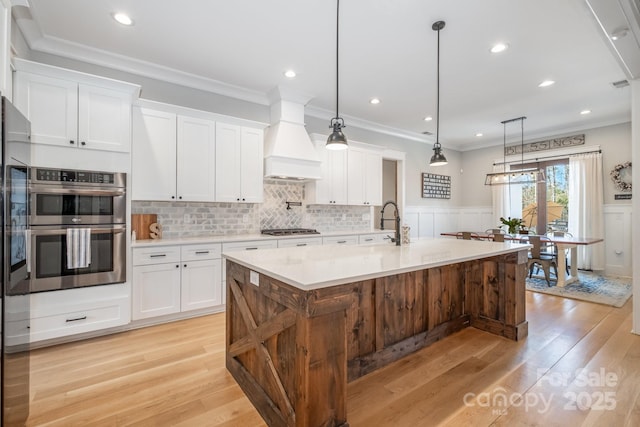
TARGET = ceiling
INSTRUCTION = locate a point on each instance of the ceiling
(387, 50)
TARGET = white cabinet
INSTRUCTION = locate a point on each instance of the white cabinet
(201, 277)
(173, 279)
(332, 188)
(67, 312)
(372, 238)
(156, 281)
(5, 49)
(173, 157)
(299, 242)
(364, 177)
(349, 239)
(239, 164)
(68, 113)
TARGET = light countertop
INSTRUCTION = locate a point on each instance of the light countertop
(228, 238)
(313, 267)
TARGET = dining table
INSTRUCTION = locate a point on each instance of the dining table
(562, 243)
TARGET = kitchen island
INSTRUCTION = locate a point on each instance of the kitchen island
(302, 322)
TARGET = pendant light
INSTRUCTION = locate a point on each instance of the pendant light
(337, 140)
(438, 159)
(519, 176)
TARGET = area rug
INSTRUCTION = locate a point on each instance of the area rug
(592, 287)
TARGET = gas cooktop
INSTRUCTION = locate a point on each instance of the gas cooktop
(289, 231)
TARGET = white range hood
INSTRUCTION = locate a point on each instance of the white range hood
(288, 150)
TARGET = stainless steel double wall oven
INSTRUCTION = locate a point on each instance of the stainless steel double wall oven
(64, 201)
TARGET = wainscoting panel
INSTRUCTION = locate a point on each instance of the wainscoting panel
(617, 229)
(430, 222)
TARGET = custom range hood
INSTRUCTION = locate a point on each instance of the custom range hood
(288, 150)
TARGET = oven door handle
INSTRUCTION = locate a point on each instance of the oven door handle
(77, 191)
(57, 230)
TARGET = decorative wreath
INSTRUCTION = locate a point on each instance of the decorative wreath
(617, 180)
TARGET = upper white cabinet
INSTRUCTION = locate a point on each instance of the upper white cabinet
(72, 109)
(5, 49)
(364, 177)
(173, 157)
(332, 188)
(239, 163)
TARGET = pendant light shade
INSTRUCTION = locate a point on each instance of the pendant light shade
(518, 176)
(438, 158)
(337, 140)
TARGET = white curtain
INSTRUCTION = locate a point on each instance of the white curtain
(501, 199)
(586, 207)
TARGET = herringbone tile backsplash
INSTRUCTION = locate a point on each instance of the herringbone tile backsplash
(187, 219)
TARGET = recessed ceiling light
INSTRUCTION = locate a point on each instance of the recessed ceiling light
(479, 134)
(619, 33)
(583, 112)
(290, 74)
(374, 101)
(122, 18)
(546, 83)
(428, 119)
(499, 47)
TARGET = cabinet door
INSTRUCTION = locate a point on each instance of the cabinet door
(156, 290)
(153, 159)
(104, 119)
(227, 172)
(373, 179)
(201, 284)
(51, 105)
(356, 177)
(196, 158)
(251, 165)
(338, 176)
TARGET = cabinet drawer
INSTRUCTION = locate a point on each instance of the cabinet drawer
(204, 251)
(94, 316)
(249, 245)
(371, 238)
(340, 240)
(156, 255)
(302, 241)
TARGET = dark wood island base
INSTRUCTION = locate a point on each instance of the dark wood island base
(292, 351)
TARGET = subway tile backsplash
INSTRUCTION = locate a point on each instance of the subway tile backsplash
(186, 219)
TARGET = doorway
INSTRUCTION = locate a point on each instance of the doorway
(389, 187)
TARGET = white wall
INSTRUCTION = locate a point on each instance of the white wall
(635, 144)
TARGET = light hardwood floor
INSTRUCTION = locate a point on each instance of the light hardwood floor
(174, 375)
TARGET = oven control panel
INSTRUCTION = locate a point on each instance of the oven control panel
(75, 176)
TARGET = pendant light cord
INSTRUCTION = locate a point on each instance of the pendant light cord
(337, 56)
(438, 93)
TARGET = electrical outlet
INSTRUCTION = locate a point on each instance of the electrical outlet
(186, 218)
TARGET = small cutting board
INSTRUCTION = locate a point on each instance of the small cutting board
(140, 224)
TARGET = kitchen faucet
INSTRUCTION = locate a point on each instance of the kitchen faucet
(397, 219)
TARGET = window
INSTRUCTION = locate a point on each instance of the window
(544, 205)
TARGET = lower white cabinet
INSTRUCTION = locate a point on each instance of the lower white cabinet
(173, 279)
(299, 242)
(372, 238)
(55, 314)
(349, 239)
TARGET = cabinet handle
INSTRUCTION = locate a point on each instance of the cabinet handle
(202, 252)
(251, 249)
(83, 143)
(157, 255)
(342, 241)
(72, 142)
(368, 240)
(76, 319)
(301, 244)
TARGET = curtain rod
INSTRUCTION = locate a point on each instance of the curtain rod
(557, 156)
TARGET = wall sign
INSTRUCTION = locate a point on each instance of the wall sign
(549, 144)
(436, 186)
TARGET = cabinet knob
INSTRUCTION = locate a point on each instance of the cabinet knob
(243, 199)
(83, 143)
(72, 142)
(177, 265)
(173, 197)
(180, 197)
(238, 199)
(185, 265)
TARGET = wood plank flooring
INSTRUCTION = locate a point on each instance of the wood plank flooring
(174, 375)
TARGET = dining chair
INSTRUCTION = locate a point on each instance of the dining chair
(494, 231)
(537, 257)
(467, 235)
(501, 237)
